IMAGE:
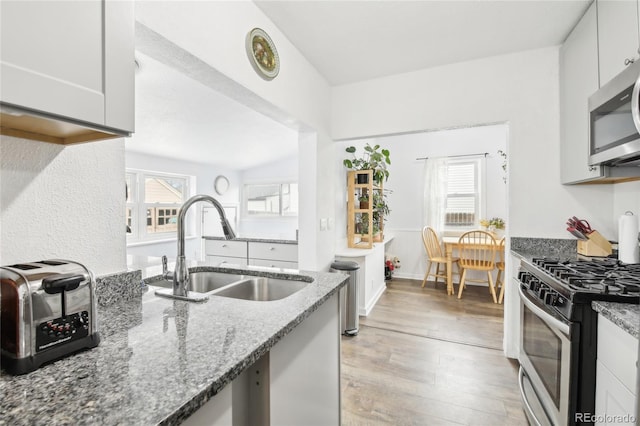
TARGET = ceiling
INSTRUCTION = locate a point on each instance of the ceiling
(178, 117)
(346, 41)
(350, 41)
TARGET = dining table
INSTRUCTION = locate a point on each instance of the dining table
(452, 243)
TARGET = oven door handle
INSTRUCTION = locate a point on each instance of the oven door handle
(527, 407)
(544, 316)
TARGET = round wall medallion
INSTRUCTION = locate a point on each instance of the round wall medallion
(221, 184)
(262, 54)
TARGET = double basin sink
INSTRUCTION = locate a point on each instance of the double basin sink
(236, 286)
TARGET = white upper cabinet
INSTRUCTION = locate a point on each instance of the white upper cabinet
(578, 81)
(618, 38)
(67, 69)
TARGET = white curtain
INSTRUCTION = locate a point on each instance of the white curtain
(435, 193)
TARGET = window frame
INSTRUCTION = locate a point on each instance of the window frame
(479, 193)
(139, 207)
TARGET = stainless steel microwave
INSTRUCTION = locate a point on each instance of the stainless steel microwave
(614, 135)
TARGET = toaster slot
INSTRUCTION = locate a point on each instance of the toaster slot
(53, 262)
(25, 267)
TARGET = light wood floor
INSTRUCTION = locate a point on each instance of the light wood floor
(424, 358)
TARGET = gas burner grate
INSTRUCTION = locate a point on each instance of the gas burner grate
(605, 276)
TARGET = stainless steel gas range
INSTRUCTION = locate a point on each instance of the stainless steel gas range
(559, 332)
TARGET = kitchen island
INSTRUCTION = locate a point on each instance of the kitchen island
(161, 360)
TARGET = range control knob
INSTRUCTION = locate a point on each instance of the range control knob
(550, 299)
(542, 291)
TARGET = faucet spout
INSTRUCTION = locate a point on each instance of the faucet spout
(181, 274)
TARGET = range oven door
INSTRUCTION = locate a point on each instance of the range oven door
(545, 362)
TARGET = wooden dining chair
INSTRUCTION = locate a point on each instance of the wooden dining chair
(435, 255)
(477, 251)
(500, 268)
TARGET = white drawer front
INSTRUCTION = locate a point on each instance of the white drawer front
(225, 248)
(273, 251)
(618, 351)
(273, 263)
(221, 260)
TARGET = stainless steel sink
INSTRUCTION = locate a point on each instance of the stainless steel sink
(203, 284)
(261, 289)
(203, 281)
(206, 281)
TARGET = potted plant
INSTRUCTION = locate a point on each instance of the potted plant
(364, 201)
(380, 212)
(362, 226)
(374, 158)
(495, 225)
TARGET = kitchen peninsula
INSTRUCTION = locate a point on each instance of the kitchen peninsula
(162, 360)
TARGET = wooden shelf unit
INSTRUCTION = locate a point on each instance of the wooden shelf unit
(355, 214)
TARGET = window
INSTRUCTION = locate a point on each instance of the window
(463, 203)
(274, 199)
(153, 202)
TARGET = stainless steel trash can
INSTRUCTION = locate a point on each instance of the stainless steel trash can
(349, 319)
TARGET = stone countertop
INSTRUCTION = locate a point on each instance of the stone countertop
(624, 315)
(528, 248)
(159, 359)
(255, 240)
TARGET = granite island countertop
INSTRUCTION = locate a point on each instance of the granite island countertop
(159, 359)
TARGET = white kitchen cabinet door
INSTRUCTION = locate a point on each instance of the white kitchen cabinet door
(616, 373)
(69, 59)
(613, 400)
(224, 260)
(273, 251)
(305, 371)
(578, 81)
(225, 248)
(618, 38)
(273, 263)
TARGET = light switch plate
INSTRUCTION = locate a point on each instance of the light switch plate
(323, 224)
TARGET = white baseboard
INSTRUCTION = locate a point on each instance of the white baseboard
(372, 303)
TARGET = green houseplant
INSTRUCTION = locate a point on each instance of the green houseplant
(380, 212)
(374, 158)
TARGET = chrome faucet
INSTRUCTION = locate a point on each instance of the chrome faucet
(181, 274)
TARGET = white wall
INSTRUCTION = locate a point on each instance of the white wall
(63, 202)
(215, 32)
(284, 170)
(626, 197)
(406, 186)
(520, 89)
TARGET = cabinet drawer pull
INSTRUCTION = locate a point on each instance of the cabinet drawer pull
(272, 248)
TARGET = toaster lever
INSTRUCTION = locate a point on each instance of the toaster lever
(62, 282)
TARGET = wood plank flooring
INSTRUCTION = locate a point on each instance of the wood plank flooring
(424, 358)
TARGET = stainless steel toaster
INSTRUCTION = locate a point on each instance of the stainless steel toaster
(47, 311)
